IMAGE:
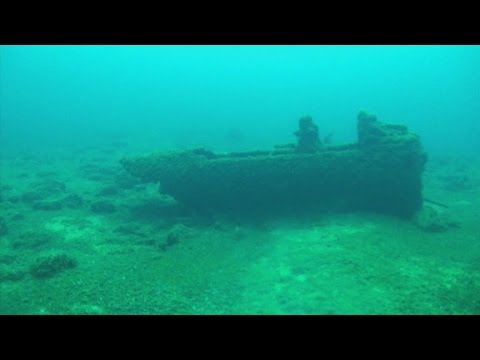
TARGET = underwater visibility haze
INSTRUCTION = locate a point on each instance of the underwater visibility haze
(239, 179)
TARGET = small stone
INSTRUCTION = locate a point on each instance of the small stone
(7, 259)
(7, 274)
(43, 190)
(103, 207)
(17, 217)
(49, 266)
(33, 240)
(47, 205)
(108, 191)
(3, 227)
(431, 220)
(72, 201)
(172, 238)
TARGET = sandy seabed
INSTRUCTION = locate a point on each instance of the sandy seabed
(134, 253)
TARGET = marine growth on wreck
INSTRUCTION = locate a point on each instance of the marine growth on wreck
(381, 172)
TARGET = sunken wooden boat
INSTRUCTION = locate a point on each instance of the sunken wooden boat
(381, 172)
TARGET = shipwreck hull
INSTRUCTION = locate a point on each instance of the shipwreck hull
(382, 172)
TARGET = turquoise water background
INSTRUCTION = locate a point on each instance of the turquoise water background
(80, 235)
(197, 95)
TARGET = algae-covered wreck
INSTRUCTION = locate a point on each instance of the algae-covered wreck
(380, 172)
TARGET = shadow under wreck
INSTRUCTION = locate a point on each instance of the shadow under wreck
(382, 172)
